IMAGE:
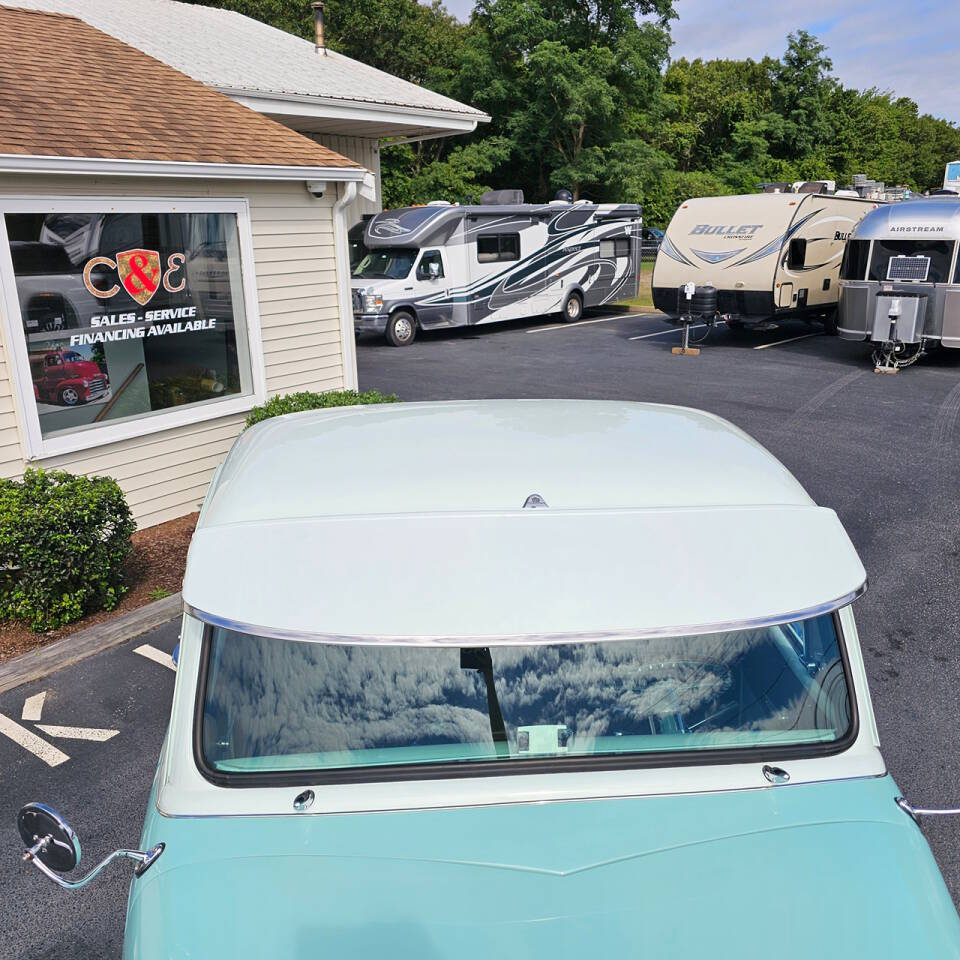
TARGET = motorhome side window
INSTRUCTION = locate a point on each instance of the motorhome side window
(619, 247)
(430, 266)
(854, 266)
(929, 260)
(493, 247)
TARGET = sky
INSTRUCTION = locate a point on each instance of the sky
(908, 48)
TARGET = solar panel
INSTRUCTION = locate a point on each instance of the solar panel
(908, 268)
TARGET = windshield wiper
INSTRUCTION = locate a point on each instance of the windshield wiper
(479, 659)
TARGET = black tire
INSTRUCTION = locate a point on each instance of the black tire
(572, 309)
(70, 397)
(736, 326)
(830, 324)
(401, 329)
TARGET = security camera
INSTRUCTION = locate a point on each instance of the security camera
(316, 187)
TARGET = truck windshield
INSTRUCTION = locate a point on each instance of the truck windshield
(275, 706)
(386, 263)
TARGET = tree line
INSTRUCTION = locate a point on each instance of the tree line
(583, 95)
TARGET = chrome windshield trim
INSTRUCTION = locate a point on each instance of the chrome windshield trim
(532, 639)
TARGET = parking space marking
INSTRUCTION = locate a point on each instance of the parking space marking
(583, 323)
(33, 706)
(660, 333)
(157, 656)
(777, 343)
(44, 751)
(78, 733)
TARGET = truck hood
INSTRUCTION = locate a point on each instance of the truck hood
(825, 870)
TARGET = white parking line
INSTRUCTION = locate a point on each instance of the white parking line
(660, 333)
(33, 706)
(583, 323)
(777, 343)
(78, 733)
(157, 656)
(47, 752)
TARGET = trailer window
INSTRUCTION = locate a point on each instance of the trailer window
(797, 254)
(940, 253)
(494, 247)
(854, 266)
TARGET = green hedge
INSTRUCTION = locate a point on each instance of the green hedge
(63, 541)
(305, 400)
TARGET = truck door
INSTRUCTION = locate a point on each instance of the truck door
(433, 306)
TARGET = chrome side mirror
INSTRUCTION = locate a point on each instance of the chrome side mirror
(917, 812)
(433, 270)
(53, 847)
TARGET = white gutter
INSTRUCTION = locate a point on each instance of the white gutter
(108, 166)
(348, 344)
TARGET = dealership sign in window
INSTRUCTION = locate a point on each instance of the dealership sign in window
(129, 315)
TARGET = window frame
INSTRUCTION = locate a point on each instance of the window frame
(33, 443)
(499, 238)
(470, 769)
(423, 256)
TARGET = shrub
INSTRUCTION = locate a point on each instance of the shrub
(63, 541)
(306, 400)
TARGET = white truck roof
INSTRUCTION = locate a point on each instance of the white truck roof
(405, 523)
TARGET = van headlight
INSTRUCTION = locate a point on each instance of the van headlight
(372, 302)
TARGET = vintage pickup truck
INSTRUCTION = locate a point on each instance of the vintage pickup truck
(462, 680)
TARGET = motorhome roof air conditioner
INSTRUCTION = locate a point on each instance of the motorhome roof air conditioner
(495, 198)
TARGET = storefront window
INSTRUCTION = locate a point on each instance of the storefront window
(129, 315)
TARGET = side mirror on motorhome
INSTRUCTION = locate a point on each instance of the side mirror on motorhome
(433, 270)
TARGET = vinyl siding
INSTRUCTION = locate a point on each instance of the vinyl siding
(165, 475)
(365, 152)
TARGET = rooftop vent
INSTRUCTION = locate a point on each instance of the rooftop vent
(494, 198)
(319, 39)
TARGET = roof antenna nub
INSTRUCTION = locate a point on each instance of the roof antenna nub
(319, 40)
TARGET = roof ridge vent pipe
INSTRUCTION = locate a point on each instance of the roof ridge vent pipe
(319, 39)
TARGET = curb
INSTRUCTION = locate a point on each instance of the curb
(85, 643)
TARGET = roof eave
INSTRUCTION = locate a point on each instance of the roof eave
(433, 121)
(117, 167)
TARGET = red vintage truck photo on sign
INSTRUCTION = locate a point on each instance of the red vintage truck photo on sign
(67, 378)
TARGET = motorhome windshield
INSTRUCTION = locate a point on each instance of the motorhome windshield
(386, 263)
(271, 706)
(929, 260)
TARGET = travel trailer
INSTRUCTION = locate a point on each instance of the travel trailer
(769, 255)
(445, 265)
(900, 282)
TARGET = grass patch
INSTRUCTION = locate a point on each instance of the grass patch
(644, 298)
(160, 593)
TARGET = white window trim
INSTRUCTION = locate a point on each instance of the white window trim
(35, 446)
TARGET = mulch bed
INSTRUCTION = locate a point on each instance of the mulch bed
(157, 562)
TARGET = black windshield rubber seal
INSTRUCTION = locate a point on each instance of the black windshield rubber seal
(469, 769)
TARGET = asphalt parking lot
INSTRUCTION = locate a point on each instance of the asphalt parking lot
(881, 450)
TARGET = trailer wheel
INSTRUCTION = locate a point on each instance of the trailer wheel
(830, 324)
(572, 307)
(401, 329)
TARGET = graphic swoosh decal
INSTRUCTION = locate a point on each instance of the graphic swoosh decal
(716, 256)
(774, 245)
(667, 247)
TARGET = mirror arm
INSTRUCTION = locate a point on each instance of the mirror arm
(145, 859)
(917, 812)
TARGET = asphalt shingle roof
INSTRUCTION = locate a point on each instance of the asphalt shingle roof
(69, 90)
(231, 52)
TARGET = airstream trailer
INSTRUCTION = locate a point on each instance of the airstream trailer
(900, 283)
(770, 256)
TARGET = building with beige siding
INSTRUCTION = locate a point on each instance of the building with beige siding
(163, 265)
(173, 247)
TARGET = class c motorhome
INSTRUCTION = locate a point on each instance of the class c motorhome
(900, 280)
(769, 255)
(445, 265)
